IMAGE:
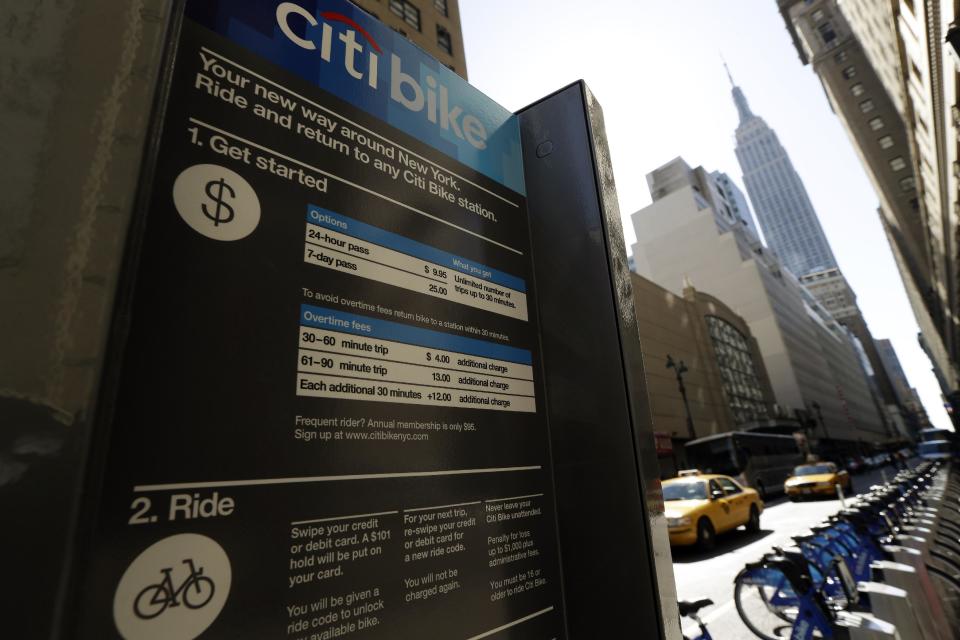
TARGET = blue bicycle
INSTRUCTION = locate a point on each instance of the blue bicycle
(810, 590)
(783, 596)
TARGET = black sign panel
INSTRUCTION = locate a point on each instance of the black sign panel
(329, 420)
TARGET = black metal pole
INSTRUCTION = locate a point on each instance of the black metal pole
(823, 424)
(686, 406)
(680, 368)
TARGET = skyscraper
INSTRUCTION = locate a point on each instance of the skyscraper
(791, 228)
(783, 209)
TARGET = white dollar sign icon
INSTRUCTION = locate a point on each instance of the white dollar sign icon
(216, 202)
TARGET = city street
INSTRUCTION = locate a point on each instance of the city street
(710, 575)
(312, 334)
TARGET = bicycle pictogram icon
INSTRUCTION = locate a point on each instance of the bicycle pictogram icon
(194, 592)
(173, 590)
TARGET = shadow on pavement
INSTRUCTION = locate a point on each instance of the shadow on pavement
(726, 542)
(772, 502)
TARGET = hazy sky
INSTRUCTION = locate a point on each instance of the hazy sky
(655, 67)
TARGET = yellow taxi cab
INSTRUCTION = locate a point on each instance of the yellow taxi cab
(698, 506)
(816, 479)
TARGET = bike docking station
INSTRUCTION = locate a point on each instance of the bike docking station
(332, 345)
(886, 566)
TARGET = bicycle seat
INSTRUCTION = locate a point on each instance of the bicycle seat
(689, 608)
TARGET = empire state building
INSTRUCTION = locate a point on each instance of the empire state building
(783, 209)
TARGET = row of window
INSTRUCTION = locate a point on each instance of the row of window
(866, 106)
(876, 124)
(411, 15)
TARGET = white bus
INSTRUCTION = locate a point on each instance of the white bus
(937, 444)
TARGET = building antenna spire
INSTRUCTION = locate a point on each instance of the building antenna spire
(743, 109)
(729, 75)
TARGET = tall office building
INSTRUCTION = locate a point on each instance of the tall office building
(433, 25)
(916, 416)
(833, 291)
(687, 237)
(784, 212)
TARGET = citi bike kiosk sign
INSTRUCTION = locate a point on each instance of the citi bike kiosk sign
(328, 419)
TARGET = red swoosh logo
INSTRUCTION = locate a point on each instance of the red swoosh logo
(333, 16)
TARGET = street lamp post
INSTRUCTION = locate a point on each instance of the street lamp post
(681, 369)
(816, 408)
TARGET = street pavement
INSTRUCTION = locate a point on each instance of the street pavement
(711, 574)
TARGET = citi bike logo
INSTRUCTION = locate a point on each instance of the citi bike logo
(174, 590)
(434, 100)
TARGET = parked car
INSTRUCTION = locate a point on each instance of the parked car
(700, 506)
(816, 479)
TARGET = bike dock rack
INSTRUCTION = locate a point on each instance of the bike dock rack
(862, 626)
(893, 604)
(901, 541)
(904, 576)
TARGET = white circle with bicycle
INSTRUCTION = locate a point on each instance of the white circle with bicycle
(174, 590)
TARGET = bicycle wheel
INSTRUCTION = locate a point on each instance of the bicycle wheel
(151, 602)
(768, 610)
(198, 593)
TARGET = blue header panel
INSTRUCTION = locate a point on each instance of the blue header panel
(342, 49)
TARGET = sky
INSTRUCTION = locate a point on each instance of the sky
(655, 67)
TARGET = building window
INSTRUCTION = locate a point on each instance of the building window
(898, 164)
(849, 72)
(443, 39)
(885, 142)
(441, 6)
(857, 89)
(741, 385)
(916, 72)
(827, 34)
(876, 123)
(908, 184)
(867, 106)
(405, 10)
(841, 57)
